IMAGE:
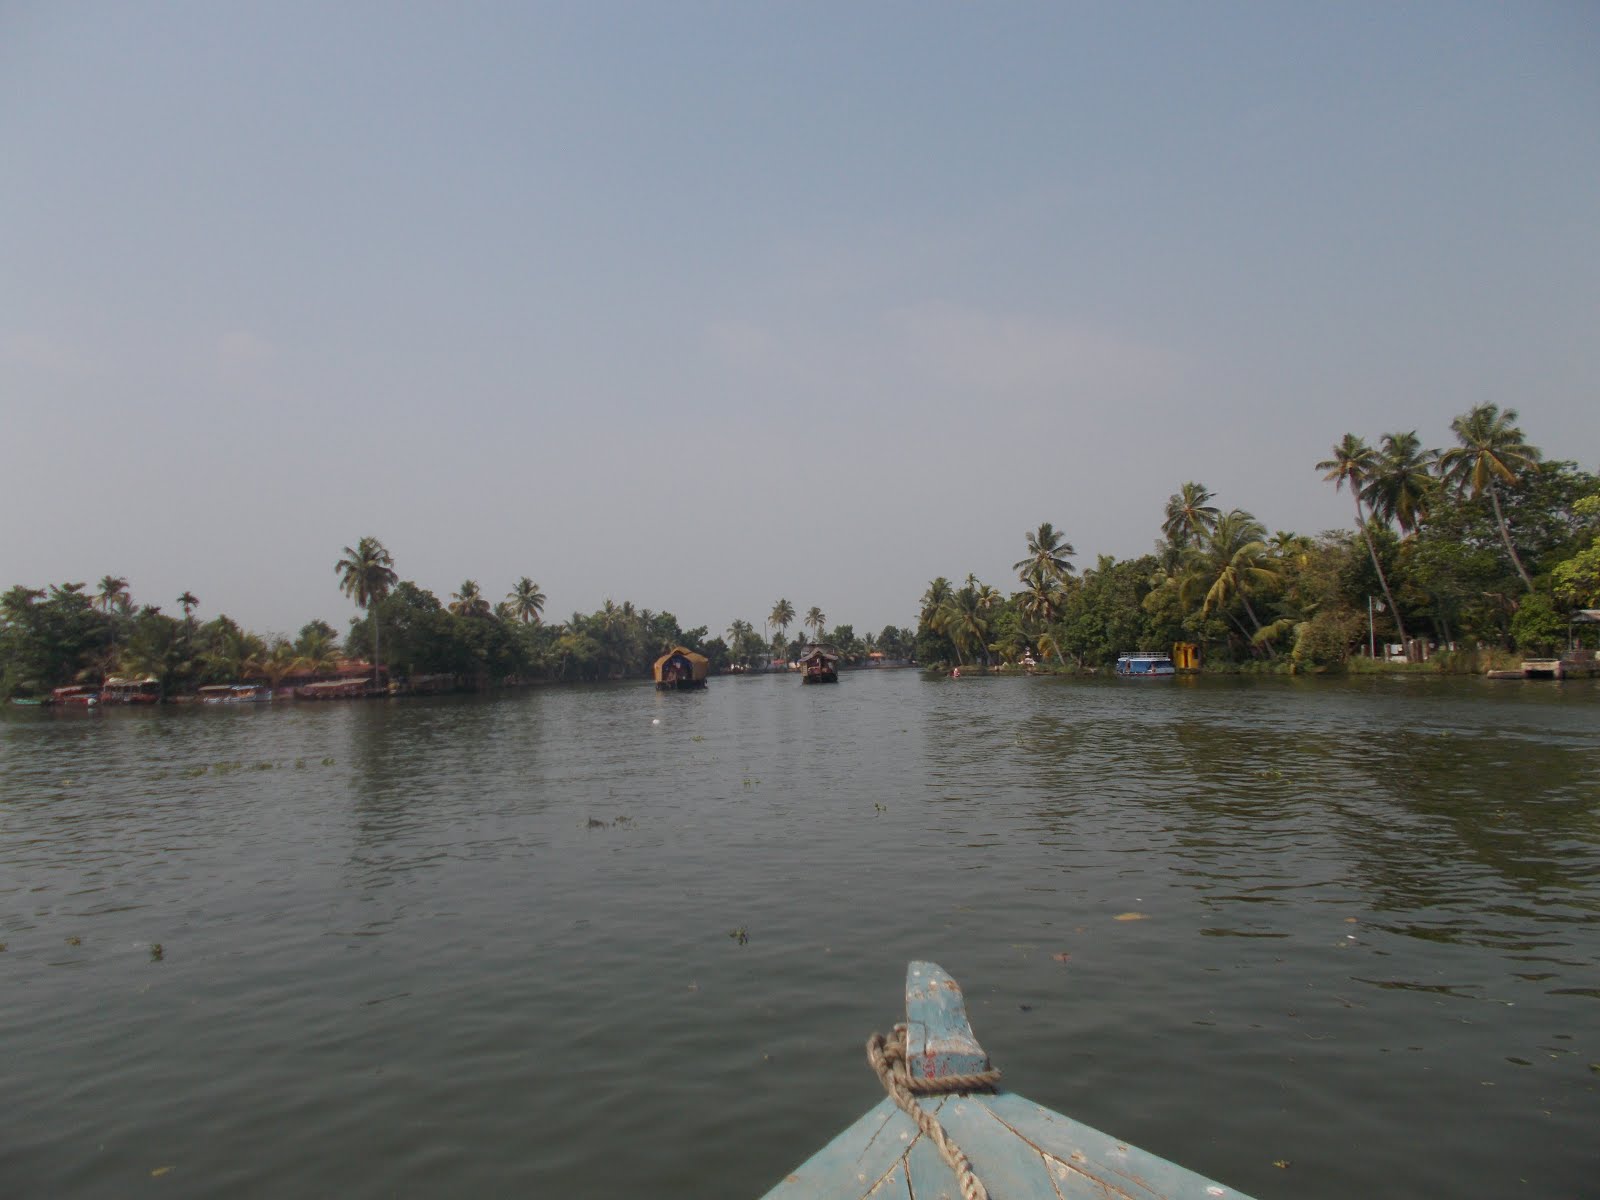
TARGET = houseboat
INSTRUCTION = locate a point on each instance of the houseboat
(1145, 666)
(78, 695)
(680, 669)
(131, 691)
(819, 664)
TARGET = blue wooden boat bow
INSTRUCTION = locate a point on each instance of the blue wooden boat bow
(1017, 1150)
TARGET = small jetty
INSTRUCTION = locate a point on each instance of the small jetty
(948, 1128)
(681, 669)
(1569, 667)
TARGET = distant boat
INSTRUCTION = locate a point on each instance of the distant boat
(1145, 666)
(680, 669)
(131, 691)
(1018, 1148)
(78, 695)
(819, 664)
(235, 693)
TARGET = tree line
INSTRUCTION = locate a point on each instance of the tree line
(1482, 544)
(1485, 542)
(68, 634)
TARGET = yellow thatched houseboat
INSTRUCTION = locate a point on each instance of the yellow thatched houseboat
(681, 668)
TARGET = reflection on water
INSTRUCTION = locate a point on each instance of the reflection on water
(464, 946)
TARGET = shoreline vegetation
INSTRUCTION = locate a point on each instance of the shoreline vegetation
(1459, 561)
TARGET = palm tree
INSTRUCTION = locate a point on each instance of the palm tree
(1237, 563)
(964, 619)
(1355, 463)
(113, 591)
(1041, 601)
(1189, 515)
(781, 616)
(1402, 484)
(469, 601)
(1492, 452)
(526, 601)
(1048, 553)
(365, 575)
(933, 602)
(815, 620)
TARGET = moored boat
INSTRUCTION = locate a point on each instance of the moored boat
(948, 1128)
(1141, 665)
(78, 696)
(131, 691)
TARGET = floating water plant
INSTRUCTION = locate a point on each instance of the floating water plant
(157, 953)
(740, 935)
(595, 823)
(74, 940)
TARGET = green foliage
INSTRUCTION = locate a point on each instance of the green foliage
(1325, 640)
(1537, 628)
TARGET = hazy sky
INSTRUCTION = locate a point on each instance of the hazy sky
(701, 305)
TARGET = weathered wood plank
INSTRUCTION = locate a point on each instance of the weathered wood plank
(856, 1161)
(939, 1038)
(1103, 1164)
(1008, 1165)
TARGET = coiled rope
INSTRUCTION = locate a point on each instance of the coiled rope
(888, 1058)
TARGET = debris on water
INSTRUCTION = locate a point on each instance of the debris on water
(328, 762)
(1061, 956)
(159, 1172)
(1281, 1163)
(655, 720)
(740, 935)
(157, 952)
(74, 940)
(595, 823)
(1132, 916)
(699, 737)
(880, 808)
(1025, 1007)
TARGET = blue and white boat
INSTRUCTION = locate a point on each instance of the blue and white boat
(1145, 666)
(947, 1128)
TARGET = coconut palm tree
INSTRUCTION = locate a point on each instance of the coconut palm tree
(526, 601)
(366, 574)
(782, 616)
(1237, 563)
(815, 620)
(1493, 452)
(933, 601)
(1048, 553)
(1402, 485)
(1355, 463)
(112, 594)
(1190, 517)
(964, 616)
(469, 601)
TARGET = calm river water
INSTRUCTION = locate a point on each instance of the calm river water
(482, 947)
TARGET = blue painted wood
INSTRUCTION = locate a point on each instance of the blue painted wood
(1021, 1150)
(939, 1038)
